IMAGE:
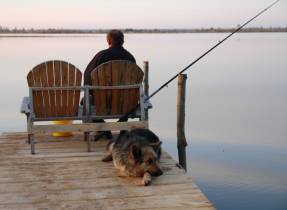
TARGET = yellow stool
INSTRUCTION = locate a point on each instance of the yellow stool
(62, 134)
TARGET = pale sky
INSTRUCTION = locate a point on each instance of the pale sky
(83, 14)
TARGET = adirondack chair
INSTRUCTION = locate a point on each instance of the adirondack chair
(54, 94)
(116, 90)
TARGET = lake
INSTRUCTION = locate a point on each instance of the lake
(236, 108)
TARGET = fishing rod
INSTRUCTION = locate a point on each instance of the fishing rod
(208, 51)
(199, 58)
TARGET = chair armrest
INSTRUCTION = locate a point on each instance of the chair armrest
(147, 104)
(25, 106)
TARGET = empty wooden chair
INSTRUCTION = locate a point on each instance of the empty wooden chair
(54, 94)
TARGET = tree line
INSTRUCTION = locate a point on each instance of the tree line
(6, 30)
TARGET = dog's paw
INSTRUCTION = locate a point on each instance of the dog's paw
(146, 182)
(146, 179)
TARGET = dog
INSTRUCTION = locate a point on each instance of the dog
(136, 153)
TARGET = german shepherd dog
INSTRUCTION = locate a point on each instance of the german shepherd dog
(137, 154)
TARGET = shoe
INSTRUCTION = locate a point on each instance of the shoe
(123, 132)
(103, 134)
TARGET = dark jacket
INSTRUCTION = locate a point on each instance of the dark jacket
(112, 53)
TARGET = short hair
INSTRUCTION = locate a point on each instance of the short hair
(116, 37)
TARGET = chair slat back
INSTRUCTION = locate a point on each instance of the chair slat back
(55, 103)
(116, 73)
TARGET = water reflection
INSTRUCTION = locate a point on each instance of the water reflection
(236, 111)
(236, 176)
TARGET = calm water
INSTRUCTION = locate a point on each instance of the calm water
(236, 117)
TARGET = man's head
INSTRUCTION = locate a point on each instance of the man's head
(115, 38)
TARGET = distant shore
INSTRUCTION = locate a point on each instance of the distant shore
(130, 30)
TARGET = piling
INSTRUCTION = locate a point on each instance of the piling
(181, 140)
(146, 83)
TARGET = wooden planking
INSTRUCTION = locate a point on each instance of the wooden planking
(33, 79)
(53, 103)
(105, 192)
(134, 93)
(87, 183)
(40, 96)
(121, 68)
(126, 79)
(58, 83)
(78, 180)
(108, 82)
(96, 93)
(51, 83)
(113, 126)
(65, 83)
(154, 202)
(116, 94)
(66, 171)
(99, 95)
(45, 93)
(78, 81)
(31, 82)
(146, 202)
(116, 102)
(71, 93)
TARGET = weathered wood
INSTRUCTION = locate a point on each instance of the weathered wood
(58, 83)
(51, 83)
(64, 96)
(71, 93)
(113, 126)
(77, 93)
(115, 73)
(146, 83)
(102, 99)
(146, 77)
(46, 96)
(116, 94)
(60, 179)
(127, 76)
(33, 79)
(181, 140)
(55, 103)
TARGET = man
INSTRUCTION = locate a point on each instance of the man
(115, 39)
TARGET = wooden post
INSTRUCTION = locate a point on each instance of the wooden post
(146, 83)
(181, 140)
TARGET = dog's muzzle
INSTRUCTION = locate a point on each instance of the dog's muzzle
(157, 173)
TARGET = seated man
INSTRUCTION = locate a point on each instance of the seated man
(115, 39)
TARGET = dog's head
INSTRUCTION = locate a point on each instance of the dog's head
(147, 137)
(145, 158)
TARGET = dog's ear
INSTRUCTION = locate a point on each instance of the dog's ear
(135, 152)
(156, 145)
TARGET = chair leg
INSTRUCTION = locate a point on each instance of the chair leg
(29, 139)
(32, 143)
(88, 140)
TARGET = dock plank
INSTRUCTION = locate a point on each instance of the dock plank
(62, 175)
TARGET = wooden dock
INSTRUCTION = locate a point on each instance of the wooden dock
(62, 175)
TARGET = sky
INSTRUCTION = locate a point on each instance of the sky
(84, 14)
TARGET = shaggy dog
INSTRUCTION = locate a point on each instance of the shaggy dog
(136, 153)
